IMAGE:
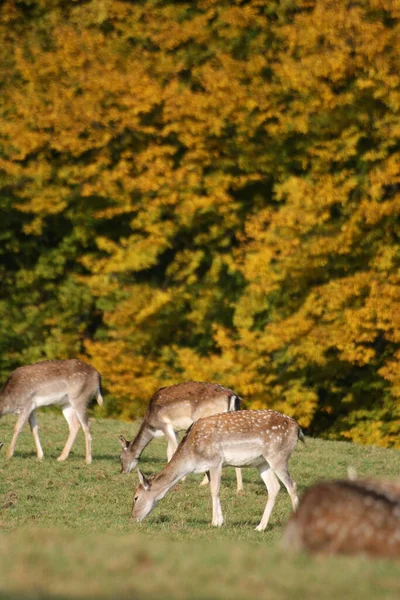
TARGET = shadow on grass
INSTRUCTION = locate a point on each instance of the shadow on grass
(73, 458)
(108, 457)
(23, 454)
(153, 460)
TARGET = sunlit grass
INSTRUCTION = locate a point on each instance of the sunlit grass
(66, 529)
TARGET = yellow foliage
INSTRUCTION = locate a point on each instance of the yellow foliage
(223, 181)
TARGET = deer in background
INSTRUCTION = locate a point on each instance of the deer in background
(347, 517)
(70, 384)
(264, 439)
(175, 408)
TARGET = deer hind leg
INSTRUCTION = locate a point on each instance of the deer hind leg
(35, 432)
(239, 480)
(170, 434)
(281, 470)
(84, 421)
(73, 424)
(206, 479)
(215, 482)
(22, 419)
(272, 484)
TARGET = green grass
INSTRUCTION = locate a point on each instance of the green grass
(65, 529)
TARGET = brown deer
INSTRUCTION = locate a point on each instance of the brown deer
(175, 408)
(263, 439)
(70, 384)
(347, 517)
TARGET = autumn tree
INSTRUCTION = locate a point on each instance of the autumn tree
(208, 190)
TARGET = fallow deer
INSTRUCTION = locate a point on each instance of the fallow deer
(70, 384)
(175, 408)
(263, 439)
(347, 517)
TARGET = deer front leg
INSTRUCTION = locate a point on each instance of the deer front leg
(84, 421)
(272, 483)
(215, 481)
(239, 480)
(22, 419)
(35, 432)
(73, 424)
(172, 441)
(206, 479)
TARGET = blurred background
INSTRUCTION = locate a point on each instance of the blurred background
(207, 190)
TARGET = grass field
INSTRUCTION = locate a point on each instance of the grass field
(65, 529)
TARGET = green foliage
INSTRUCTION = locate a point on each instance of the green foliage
(207, 190)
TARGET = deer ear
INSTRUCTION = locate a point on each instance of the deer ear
(124, 442)
(143, 480)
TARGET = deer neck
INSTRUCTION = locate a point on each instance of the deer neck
(177, 468)
(4, 408)
(143, 437)
(10, 401)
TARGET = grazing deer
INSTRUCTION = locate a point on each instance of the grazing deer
(175, 408)
(347, 517)
(263, 439)
(70, 384)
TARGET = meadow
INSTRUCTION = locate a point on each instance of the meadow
(66, 533)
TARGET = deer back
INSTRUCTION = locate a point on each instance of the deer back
(49, 379)
(248, 434)
(189, 401)
(347, 517)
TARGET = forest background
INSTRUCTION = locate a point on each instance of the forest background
(207, 190)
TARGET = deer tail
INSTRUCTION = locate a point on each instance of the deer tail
(99, 396)
(302, 437)
(234, 403)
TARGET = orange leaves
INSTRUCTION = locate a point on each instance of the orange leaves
(302, 107)
(388, 174)
(391, 372)
(374, 432)
(141, 305)
(349, 315)
(79, 89)
(134, 253)
(222, 179)
(130, 378)
(297, 400)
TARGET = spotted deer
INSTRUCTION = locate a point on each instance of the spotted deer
(264, 439)
(70, 384)
(347, 517)
(175, 408)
